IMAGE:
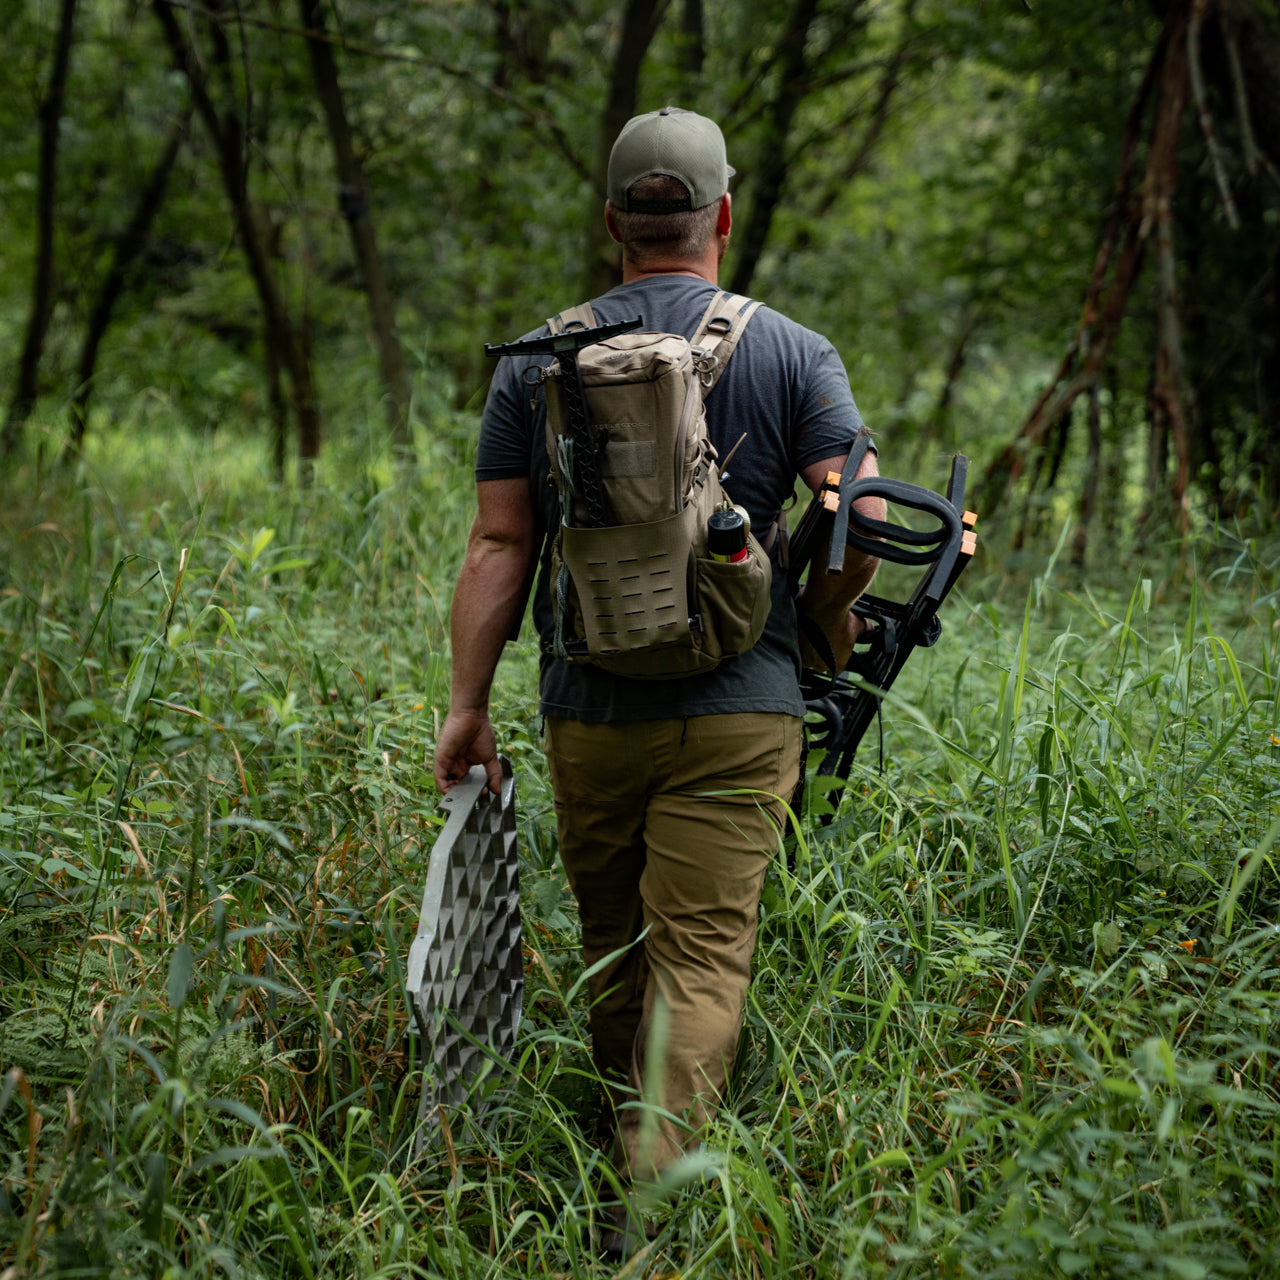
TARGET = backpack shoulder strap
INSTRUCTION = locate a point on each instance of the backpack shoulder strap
(579, 317)
(720, 328)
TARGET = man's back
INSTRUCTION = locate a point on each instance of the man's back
(786, 389)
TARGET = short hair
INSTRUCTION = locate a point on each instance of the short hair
(646, 237)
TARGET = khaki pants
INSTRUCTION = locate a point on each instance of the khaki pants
(645, 847)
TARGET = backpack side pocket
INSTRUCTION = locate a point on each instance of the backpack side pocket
(733, 601)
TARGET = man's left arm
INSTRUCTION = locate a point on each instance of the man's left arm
(828, 597)
(487, 604)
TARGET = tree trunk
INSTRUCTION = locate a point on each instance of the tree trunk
(1266, 446)
(693, 47)
(1048, 462)
(27, 382)
(1253, 38)
(939, 424)
(353, 201)
(1129, 225)
(1168, 395)
(1157, 451)
(1092, 474)
(227, 133)
(1057, 451)
(640, 22)
(774, 159)
(128, 246)
(277, 406)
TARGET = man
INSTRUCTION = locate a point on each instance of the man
(667, 872)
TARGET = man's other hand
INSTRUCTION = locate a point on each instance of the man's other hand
(841, 644)
(466, 739)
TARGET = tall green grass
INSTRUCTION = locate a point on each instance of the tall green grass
(1014, 1008)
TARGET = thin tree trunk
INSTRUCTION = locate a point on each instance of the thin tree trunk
(227, 133)
(1027, 513)
(26, 384)
(128, 246)
(1196, 73)
(1269, 396)
(1157, 450)
(939, 422)
(1169, 391)
(1130, 222)
(277, 406)
(354, 203)
(640, 21)
(891, 76)
(774, 159)
(693, 47)
(1048, 462)
(1253, 50)
(1092, 475)
(304, 330)
(1057, 451)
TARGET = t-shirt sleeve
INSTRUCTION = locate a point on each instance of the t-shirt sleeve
(827, 419)
(503, 450)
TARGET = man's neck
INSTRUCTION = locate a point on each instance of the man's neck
(699, 271)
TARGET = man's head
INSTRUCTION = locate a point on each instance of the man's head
(667, 184)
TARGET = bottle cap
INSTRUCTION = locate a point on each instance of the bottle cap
(726, 534)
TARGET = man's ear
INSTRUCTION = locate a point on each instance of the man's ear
(610, 222)
(724, 219)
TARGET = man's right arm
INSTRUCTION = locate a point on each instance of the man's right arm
(487, 603)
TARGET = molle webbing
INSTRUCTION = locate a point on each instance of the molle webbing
(639, 594)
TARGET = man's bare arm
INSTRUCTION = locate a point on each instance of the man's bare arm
(827, 597)
(487, 603)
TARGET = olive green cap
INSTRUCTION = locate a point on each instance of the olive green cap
(677, 144)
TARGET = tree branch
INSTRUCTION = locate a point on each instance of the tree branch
(535, 115)
(1202, 110)
(125, 252)
(354, 203)
(793, 84)
(886, 88)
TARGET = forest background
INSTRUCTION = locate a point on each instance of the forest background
(1046, 232)
(1013, 1012)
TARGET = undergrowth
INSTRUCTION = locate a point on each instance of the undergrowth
(1014, 1008)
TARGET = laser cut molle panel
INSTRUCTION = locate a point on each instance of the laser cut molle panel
(465, 971)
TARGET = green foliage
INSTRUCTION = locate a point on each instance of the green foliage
(478, 130)
(947, 173)
(1013, 1011)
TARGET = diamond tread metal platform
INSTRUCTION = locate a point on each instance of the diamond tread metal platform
(465, 970)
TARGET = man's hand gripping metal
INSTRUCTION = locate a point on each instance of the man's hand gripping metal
(466, 738)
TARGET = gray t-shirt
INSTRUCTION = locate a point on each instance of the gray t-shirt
(786, 388)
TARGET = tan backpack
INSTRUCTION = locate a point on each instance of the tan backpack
(641, 596)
